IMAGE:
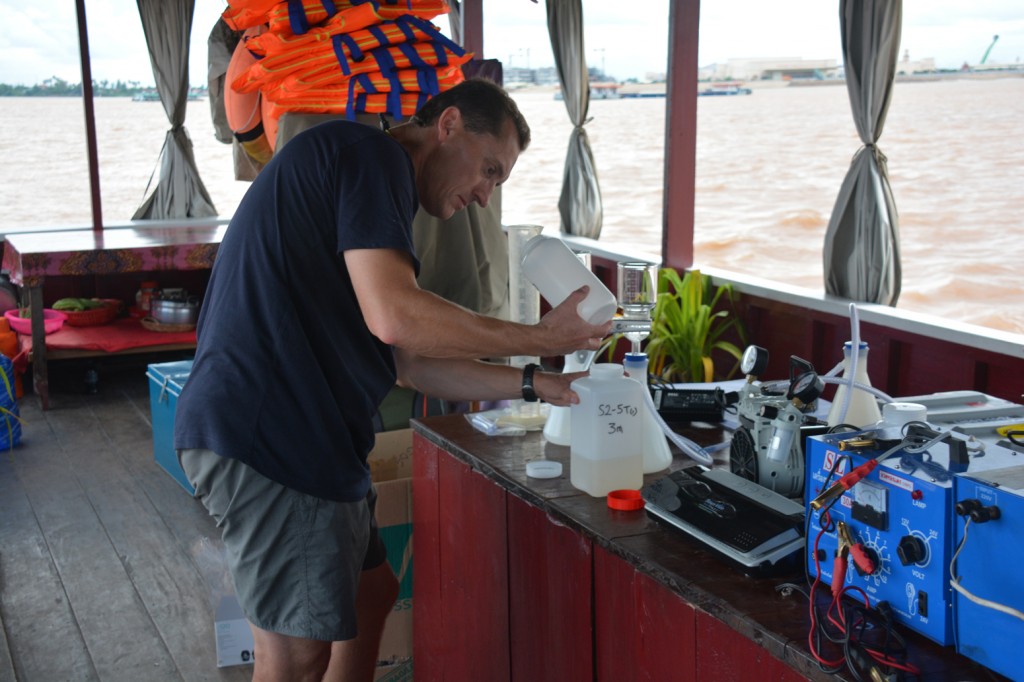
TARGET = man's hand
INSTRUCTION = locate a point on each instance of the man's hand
(554, 388)
(564, 326)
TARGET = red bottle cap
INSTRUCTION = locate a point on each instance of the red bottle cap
(625, 500)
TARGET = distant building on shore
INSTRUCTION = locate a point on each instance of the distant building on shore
(773, 69)
(799, 69)
(517, 77)
(909, 67)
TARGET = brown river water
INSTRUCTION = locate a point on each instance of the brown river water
(769, 166)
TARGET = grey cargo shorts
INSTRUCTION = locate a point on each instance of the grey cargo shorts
(295, 559)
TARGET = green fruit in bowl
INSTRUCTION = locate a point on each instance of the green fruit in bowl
(66, 304)
(77, 305)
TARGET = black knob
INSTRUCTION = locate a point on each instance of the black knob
(911, 550)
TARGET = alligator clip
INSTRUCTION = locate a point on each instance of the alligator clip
(857, 443)
(839, 565)
(843, 484)
(865, 565)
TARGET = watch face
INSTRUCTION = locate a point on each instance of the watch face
(754, 360)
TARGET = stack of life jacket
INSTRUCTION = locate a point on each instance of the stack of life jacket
(343, 57)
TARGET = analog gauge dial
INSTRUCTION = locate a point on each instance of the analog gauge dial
(754, 360)
(806, 388)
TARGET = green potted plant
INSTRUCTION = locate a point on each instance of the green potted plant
(691, 320)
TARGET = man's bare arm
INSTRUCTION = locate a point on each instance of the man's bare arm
(401, 314)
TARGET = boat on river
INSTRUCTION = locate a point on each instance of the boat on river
(597, 91)
(151, 95)
(724, 89)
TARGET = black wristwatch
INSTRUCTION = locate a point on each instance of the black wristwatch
(529, 395)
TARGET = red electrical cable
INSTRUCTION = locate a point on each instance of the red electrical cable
(813, 617)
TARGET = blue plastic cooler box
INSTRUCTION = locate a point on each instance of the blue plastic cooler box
(165, 383)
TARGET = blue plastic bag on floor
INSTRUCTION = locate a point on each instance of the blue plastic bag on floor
(10, 422)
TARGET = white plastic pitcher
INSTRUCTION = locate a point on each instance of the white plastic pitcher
(554, 269)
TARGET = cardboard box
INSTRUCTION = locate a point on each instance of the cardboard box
(391, 469)
(234, 637)
(166, 380)
(397, 672)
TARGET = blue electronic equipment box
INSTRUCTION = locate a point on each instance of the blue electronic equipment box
(988, 567)
(902, 516)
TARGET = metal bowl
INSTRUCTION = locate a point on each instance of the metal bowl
(166, 311)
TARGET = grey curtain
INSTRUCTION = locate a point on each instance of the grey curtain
(179, 191)
(862, 254)
(455, 21)
(579, 204)
(219, 48)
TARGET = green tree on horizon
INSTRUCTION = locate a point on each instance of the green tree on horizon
(55, 86)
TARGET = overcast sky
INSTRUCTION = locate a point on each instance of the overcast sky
(40, 40)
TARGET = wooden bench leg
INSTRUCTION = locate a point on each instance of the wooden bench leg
(40, 378)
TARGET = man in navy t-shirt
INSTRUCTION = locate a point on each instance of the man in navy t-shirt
(311, 315)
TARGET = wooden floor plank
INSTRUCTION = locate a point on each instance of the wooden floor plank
(44, 639)
(161, 563)
(87, 515)
(122, 640)
(6, 664)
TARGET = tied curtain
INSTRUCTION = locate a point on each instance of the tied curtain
(455, 21)
(579, 204)
(179, 191)
(861, 254)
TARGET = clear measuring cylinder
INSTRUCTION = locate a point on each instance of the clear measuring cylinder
(524, 299)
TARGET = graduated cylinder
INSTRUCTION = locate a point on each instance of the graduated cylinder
(606, 447)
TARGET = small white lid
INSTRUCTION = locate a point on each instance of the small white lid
(543, 468)
(898, 414)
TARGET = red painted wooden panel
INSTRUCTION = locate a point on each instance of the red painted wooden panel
(550, 590)
(474, 572)
(460, 599)
(722, 654)
(428, 636)
(643, 631)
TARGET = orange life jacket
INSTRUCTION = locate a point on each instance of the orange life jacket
(408, 104)
(410, 43)
(243, 109)
(350, 96)
(243, 14)
(361, 23)
(298, 16)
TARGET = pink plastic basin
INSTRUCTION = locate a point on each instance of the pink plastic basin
(52, 321)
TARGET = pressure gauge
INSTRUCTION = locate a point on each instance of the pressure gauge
(754, 360)
(806, 388)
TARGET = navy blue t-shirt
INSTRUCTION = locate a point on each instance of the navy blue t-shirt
(287, 376)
